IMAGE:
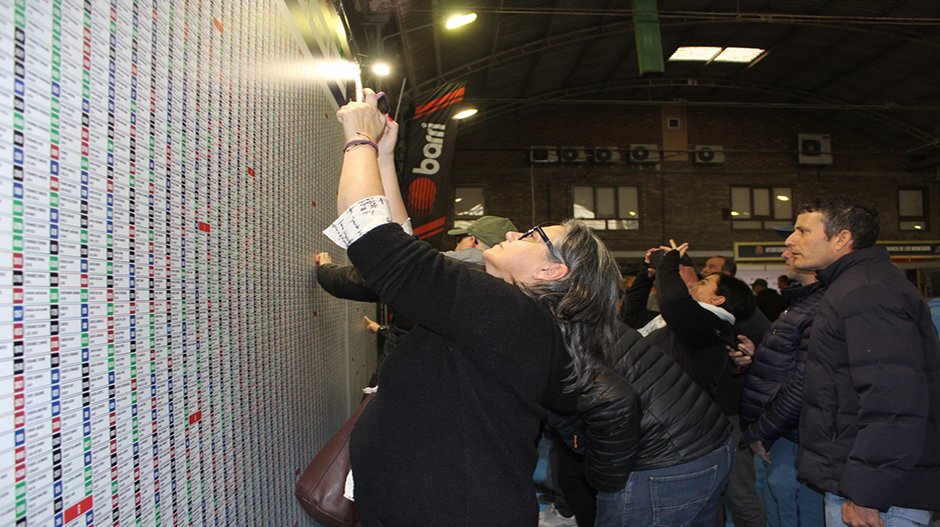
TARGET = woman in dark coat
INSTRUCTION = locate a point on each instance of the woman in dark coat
(450, 439)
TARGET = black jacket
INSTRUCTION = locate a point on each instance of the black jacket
(773, 389)
(691, 334)
(870, 428)
(656, 417)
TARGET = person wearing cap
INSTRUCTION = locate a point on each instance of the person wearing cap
(479, 236)
(770, 402)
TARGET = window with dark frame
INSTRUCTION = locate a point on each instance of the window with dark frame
(469, 205)
(912, 209)
(607, 207)
(761, 207)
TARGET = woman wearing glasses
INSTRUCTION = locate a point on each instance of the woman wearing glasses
(450, 440)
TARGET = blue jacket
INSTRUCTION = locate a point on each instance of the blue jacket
(870, 427)
(773, 390)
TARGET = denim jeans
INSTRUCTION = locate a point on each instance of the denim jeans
(677, 496)
(796, 504)
(895, 517)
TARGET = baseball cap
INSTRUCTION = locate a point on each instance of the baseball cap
(488, 229)
(784, 232)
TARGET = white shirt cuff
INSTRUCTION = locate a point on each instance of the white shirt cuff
(360, 218)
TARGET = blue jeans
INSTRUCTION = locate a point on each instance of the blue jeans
(677, 496)
(895, 517)
(796, 504)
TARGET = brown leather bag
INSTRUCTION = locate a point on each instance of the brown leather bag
(320, 489)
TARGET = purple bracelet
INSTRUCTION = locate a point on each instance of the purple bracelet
(356, 142)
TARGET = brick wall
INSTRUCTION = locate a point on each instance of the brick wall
(681, 200)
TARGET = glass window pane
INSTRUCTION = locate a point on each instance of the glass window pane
(597, 225)
(913, 225)
(468, 201)
(628, 203)
(911, 203)
(740, 203)
(748, 224)
(762, 202)
(584, 202)
(783, 203)
(605, 202)
(623, 225)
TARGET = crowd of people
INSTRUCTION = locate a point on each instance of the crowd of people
(659, 397)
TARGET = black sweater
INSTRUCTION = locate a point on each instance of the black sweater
(450, 440)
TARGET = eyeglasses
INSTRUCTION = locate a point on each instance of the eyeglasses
(545, 238)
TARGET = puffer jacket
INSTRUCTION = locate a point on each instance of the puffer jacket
(773, 389)
(674, 420)
(870, 427)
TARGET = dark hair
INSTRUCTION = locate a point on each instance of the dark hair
(785, 279)
(739, 300)
(843, 213)
(728, 267)
(584, 302)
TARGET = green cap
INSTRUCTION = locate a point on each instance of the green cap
(488, 229)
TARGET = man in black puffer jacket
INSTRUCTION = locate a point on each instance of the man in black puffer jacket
(644, 433)
(870, 425)
(771, 400)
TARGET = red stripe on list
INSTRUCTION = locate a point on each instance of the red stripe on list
(436, 224)
(78, 509)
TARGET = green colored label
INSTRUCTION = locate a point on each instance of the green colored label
(17, 207)
(84, 236)
(56, 74)
(17, 243)
(53, 199)
(18, 121)
(18, 225)
(54, 265)
(54, 295)
(20, 489)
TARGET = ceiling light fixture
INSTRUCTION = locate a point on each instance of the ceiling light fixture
(716, 54)
(783, 197)
(460, 20)
(381, 69)
(465, 113)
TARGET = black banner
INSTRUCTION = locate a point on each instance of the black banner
(425, 181)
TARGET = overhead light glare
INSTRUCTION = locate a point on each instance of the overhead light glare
(740, 55)
(735, 213)
(381, 69)
(918, 227)
(783, 197)
(690, 53)
(716, 54)
(466, 113)
(460, 20)
(338, 70)
(633, 213)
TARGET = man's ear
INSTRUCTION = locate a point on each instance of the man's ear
(717, 300)
(555, 271)
(844, 240)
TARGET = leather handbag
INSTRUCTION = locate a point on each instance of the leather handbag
(320, 489)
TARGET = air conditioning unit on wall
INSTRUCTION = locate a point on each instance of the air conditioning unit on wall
(709, 154)
(606, 154)
(814, 149)
(572, 154)
(644, 154)
(543, 154)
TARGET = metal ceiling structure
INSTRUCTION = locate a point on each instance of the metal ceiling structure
(873, 65)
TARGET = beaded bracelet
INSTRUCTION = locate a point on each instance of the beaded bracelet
(357, 142)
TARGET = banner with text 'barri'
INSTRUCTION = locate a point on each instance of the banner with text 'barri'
(432, 133)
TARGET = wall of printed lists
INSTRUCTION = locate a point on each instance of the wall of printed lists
(166, 357)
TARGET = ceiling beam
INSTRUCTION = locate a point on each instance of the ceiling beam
(520, 52)
(923, 136)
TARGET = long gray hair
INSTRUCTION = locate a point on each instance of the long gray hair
(584, 302)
